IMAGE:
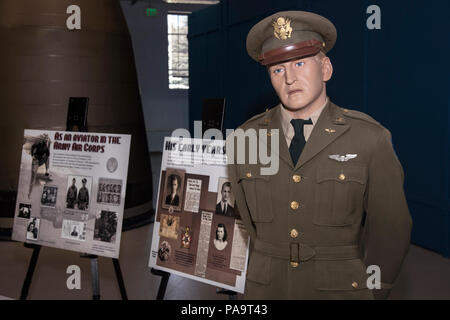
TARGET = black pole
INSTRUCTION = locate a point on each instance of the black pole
(163, 285)
(123, 292)
(95, 278)
(31, 267)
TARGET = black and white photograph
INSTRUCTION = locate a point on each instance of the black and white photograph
(24, 210)
(39, 149)
(173, 189)
(109, 191)
(33, 228)
(106, 226)
(220, 241)
(78, 192)
(73, 230)
(49, 195)
(164, 251)
(225, 204)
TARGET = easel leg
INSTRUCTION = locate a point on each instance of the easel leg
(95, 280)
(123, 292)
(31, 267)
(94, 274)
(163, 285)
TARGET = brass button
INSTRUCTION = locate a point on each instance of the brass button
(355, 284)
(294, 264)
(296, 178)
(294, 233)
(248, 174)
(269, 134)
(323, 44)
(342, 176)
(294, 205)
(340, 119)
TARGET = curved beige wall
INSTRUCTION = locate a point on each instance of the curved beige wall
(43, 63)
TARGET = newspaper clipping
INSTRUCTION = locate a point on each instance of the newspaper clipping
(198, 233)
(71, 190)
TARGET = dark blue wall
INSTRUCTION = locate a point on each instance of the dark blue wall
(399, 75)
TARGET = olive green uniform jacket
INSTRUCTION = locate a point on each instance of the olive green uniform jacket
(348, 214)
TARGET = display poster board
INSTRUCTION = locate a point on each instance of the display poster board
(198, 233)
(71, 190)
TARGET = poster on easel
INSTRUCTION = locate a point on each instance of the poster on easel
(198, 233)
(71, 190)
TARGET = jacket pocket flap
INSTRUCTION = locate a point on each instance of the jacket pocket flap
(340, 275)
(343, 173)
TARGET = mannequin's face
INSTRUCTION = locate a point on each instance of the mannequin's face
(300, 82)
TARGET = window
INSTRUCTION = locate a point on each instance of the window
(177, 27)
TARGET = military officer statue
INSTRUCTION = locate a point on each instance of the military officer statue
(336, 204)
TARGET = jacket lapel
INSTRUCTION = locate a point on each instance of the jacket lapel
(330, 126)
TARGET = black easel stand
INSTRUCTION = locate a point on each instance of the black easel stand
(123, 292)
(163, 285)
(27, 282)
(94, 272)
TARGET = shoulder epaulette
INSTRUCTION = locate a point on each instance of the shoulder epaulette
(255, 117)
(359, 115)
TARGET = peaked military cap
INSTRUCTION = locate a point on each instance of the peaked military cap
(289, 35)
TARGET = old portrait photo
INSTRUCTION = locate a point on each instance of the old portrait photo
(24, 210)
(33, 228)
(221, 236)
(164, 251)
(48, 197)
(173, 189)
(78, 192)
(225, 204)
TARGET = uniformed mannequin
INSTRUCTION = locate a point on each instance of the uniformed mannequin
(336, 204)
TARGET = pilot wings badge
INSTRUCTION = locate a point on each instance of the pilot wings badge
(282, 28)
(342, 158)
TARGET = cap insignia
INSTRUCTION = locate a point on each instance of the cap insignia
(282, 28)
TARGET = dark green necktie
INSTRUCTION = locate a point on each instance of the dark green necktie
(298, 141)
